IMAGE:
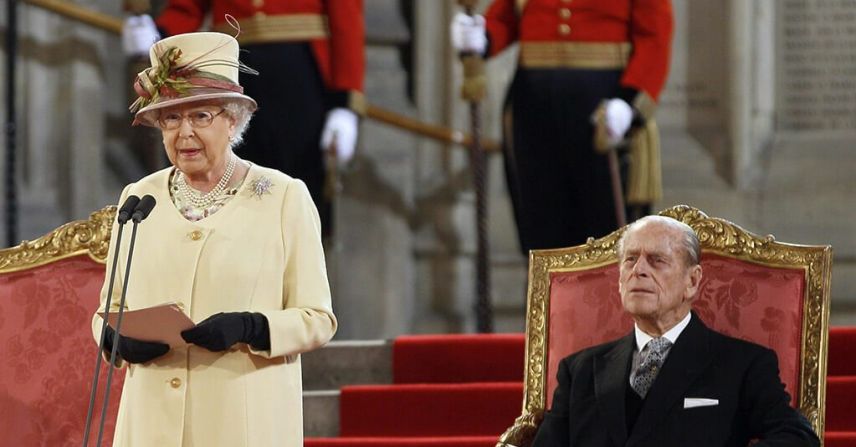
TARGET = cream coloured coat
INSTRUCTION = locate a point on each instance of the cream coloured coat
(259, 253)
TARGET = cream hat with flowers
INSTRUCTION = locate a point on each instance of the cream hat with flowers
(188, 68)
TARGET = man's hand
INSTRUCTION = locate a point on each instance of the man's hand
(340, 132)
(468, 33)
(132, 350)
(618, 117)
(220, 331)
(138, 35)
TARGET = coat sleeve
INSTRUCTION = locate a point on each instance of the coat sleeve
(771, 418)
(651, 29)
(344, 54)
(306, 320)
(502, 23)
(553, 430)
(182, 16)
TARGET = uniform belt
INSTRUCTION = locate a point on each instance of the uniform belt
(262, 28)
(590, 55)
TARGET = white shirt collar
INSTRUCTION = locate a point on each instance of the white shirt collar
(672, 334)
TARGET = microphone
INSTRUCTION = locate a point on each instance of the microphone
(142, 210)
(127, 208)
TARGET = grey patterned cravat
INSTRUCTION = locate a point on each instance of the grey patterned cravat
(652, 359)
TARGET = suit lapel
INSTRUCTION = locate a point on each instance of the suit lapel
(610, 383)
(688, 358)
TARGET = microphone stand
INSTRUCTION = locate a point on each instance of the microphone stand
(122, 218)
(141, 209)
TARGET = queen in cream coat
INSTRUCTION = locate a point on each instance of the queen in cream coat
(261, 253)
(229, 240)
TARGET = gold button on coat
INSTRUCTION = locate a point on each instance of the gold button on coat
(565, 13)
(175, 382)
(564, 29)
(196, 235)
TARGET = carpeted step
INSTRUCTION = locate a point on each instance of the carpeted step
(840, 395)
(453, 441)
(842, 351)
(458, 358)
(840, 439)
(470, 409)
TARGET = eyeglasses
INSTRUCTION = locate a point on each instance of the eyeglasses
(198, 119)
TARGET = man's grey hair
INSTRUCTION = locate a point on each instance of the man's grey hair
(241, 113)
(690, 240)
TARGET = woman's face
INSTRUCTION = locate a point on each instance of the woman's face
(198, 145)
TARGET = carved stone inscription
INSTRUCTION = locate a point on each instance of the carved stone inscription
(817, 65)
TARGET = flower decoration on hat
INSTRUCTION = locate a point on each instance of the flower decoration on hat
(170, 80)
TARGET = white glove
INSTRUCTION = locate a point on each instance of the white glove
(138, 35)
(468, 33)
(618, 117)
(340, 131)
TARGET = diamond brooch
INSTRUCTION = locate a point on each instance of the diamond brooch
(260, 187)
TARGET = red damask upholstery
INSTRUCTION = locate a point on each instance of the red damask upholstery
(754, 302)
(46, 342)
(753, 287)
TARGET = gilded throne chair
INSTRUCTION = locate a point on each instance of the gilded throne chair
(755, 288)
(49, 289)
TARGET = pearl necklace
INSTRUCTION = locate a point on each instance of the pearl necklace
(200, 200)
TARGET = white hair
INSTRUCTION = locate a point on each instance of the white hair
(689, 241)
(241, 113)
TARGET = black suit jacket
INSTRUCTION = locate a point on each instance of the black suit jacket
(589, 402)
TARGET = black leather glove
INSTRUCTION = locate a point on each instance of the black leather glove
(132, 350)
(220, 331)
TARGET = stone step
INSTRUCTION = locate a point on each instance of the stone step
(321, 413)
(339, 363)
(349, 362)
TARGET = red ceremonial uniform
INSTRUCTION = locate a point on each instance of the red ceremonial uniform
(573, 55)
(339, 54)
(645, 24)
(310, 59)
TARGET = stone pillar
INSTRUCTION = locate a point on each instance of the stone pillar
(67, 67)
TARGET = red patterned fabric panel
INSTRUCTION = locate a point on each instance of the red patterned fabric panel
(744, 300)
(48, 354)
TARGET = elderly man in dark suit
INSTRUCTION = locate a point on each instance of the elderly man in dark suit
(672, 381)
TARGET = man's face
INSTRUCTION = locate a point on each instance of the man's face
(655, 282)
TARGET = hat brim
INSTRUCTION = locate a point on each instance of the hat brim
(148, 117)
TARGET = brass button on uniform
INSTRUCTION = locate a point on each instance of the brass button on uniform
(175, 382)
(258, 3)
(196, 235)
(564, 29)
(566, 1)
(565, 13)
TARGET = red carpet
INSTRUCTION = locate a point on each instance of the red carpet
(468, 409)
(465, 390)
(458, 358)
(842, 352)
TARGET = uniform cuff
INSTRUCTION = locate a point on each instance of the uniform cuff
(349, 99)
(643, 104)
